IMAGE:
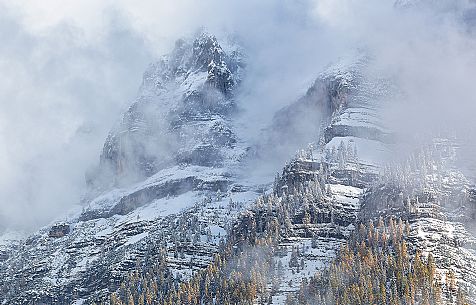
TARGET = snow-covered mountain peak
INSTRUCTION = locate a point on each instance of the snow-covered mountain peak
(202, 55)
(181, 116)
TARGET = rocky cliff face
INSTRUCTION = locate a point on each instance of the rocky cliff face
(343, 179)
(182, 114)
(325, 182)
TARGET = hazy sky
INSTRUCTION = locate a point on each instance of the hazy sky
(69, 69)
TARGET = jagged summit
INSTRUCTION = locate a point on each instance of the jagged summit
(201, 54)
(182, 114)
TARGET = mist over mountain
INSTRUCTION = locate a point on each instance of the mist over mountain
(151, 152)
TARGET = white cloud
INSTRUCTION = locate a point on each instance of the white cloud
(59, 95)
(70, 67)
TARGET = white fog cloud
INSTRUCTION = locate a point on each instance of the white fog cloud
(59, 95)
(69, 68)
